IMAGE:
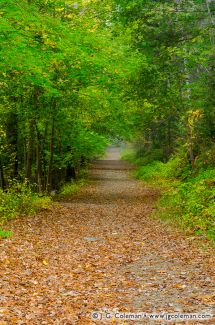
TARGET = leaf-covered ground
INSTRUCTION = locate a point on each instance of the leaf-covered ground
(100, 251)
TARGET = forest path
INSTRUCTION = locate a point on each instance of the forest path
(100, 251)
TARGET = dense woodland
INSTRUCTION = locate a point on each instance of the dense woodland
(175, 85)
(60, 89)
(76, 75)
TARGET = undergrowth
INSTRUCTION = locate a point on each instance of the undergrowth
(188, 198)
(20, 200)
(192, 204)
(71, 188)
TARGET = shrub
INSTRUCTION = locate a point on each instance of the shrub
(189, 199)
(128, 155)
(20, 200)
(192, 204)
(152, 171)
(71, 188)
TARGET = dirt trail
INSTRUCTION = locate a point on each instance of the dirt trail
(101, 251)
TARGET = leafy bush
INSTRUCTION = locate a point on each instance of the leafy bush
(141, 157)
(71, 188)
(189, 200)
(20, 200)
(192, 204)
(206, 158)
(128, 155)
(157, 171)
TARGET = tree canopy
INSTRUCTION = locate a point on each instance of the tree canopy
(76, 74)
(62, 84)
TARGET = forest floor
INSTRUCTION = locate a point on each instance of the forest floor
(101, 250)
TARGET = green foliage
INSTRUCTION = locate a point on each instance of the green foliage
(155, 170)
(62, 78)
(5, 233)
(173, 86)
(85, 144)
(158, 171)
(70, 188)
(128, 155)
(74, 75)
(20, 200)
(206, 158)
(140, 157)
(188, 203)
(192, 204)
(175, 111)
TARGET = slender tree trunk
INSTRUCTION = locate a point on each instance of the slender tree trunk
(39, 162)
(29, 153)
(169, 138)
(31, 141)
(51, 149)
(2, 180)
(60, 150)
(188, 131)
(211, 21)
(184, 106)
(12, 138)
(190, 144)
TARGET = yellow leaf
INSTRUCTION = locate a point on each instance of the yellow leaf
(59, 9)
(179, 286)
(45, 262)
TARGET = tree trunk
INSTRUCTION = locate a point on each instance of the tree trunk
(211, 21)
(2, 180)
(188, 128)
(39, 163)
(29, 153)
(12, 138)
(190, 145)
(51, 149)
(169, 138)
(60, 150)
